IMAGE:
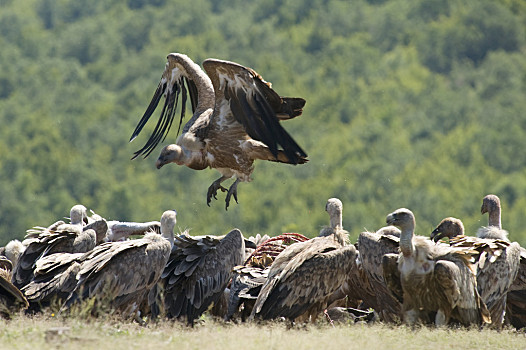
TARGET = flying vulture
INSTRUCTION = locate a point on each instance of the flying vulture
(236, 120)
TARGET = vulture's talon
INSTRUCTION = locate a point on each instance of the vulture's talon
(232, 191)
(212, 190)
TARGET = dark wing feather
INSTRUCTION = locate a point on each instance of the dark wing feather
(171, 86)
(197, 273)
(256, 106)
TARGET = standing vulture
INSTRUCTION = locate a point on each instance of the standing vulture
(516, 300)
(305, 275)
(196, 274)
(435, 279)
(236, 120)
(58, 238)
(497, 264)
(122, 273)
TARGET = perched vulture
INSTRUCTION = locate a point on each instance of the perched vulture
(497, 264)
(196, 275)
(11, 298)
(236, 120)
(437, 281)
(122, 273)
(305, 275)
(58, 238)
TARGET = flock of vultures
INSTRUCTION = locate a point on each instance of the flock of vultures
(391, 275)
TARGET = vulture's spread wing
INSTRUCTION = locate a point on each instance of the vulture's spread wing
(173, 84)
(241, 92)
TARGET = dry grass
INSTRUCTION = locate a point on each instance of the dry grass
(46, 332)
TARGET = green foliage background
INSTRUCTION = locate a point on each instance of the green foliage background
(410, 103)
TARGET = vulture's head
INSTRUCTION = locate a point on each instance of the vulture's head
(490, 203)
(77, 214)
(402, 218)
(334, 207)
(449, 227)
(170, 154)
(168, 221)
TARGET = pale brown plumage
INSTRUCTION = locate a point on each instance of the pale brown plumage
(497, 264)
(372, 247)
(58, 238)
(236, 120)
(196, 275)
(305, 275)
(122, 273)
(438, 281)
(516, 300)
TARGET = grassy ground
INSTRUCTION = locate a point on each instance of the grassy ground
(46, 332)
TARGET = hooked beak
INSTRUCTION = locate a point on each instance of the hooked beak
(159, 164)
(390, 219)
(436, 235)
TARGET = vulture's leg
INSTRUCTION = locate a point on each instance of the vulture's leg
(232, 191)
(212, 190)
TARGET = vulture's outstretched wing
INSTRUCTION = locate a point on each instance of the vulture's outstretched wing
(198, 271)
(173, 84)
(255, 105)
